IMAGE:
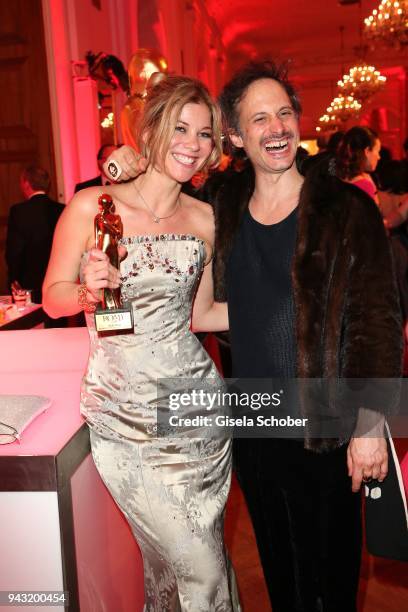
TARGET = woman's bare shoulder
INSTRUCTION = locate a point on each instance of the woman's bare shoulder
(84, 203)
(87, 199)
(200, 220)
(199, 207)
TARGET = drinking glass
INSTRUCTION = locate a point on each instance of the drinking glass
(20, 298)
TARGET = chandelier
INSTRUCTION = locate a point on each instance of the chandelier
(340, 110)
(328, 123)
(388, 23)
(361, 82)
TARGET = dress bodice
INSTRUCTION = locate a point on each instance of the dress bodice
(159, 279)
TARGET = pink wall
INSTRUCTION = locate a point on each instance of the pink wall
(109, 563)
(61, 96)
(184, 32)
(93, 27)
(73, 27)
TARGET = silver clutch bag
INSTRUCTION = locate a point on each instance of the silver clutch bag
(17, 412)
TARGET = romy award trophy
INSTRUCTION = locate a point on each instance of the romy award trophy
(111, 314)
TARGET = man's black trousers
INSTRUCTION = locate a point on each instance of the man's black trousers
(307, 523)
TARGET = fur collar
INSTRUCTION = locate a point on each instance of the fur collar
(348, 320)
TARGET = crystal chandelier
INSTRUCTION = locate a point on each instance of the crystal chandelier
(361, 82)
(388, 24)
(340, 110)
(328, 123)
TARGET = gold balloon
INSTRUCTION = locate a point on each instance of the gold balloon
(142, 65)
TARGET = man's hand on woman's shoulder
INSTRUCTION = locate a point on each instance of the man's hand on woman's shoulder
(124, 164)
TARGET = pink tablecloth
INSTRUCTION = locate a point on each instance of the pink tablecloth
(47, 362)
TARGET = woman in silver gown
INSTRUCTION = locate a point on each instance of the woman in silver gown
(172, 490)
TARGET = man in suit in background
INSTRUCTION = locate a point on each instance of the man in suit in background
(30, 231)
(104, 152)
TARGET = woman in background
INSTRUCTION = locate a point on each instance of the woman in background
(358, 155)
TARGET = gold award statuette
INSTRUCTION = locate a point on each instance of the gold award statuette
(111, 314)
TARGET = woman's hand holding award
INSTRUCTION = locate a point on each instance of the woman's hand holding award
(111, 315)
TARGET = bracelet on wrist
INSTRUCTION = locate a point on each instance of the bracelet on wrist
(83, 301)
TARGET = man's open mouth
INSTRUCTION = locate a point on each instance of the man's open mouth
(277, 146)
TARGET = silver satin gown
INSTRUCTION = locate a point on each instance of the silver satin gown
(172, 490)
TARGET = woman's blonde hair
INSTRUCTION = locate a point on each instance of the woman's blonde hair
(164, 103)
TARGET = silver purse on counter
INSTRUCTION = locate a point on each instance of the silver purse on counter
(17, 412)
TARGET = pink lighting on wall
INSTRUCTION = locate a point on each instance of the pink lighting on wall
(87, 126)
(61, 97)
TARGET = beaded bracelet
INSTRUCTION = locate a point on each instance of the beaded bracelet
(82, 299)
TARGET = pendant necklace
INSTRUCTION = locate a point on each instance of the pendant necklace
(156, 218)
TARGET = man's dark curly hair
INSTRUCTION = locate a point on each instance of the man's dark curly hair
(235, 89)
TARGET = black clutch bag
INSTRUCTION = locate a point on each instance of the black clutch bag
(386, 515)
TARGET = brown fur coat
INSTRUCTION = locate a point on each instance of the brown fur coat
(348, 321)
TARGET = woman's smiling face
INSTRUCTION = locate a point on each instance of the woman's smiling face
(191, 144)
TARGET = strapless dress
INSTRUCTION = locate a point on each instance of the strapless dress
(172, 490)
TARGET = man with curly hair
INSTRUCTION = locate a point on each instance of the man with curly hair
(307, 272)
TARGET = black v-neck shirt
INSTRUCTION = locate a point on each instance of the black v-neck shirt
(260, 299)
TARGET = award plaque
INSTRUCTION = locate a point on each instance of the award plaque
(112, 314)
